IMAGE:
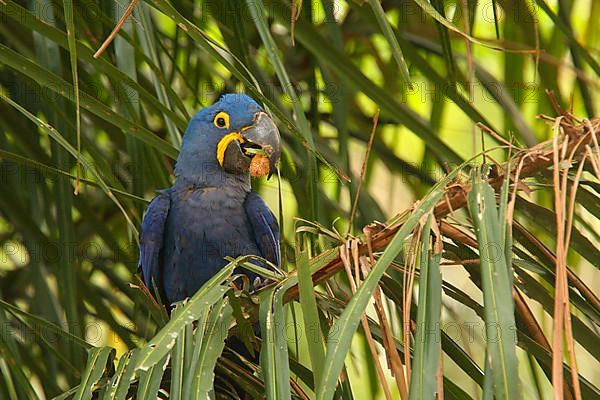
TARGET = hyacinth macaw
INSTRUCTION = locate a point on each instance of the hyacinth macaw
(210, 212)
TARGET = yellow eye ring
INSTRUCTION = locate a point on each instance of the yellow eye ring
(221, 120)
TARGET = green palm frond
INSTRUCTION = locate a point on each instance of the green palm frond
(458, 253)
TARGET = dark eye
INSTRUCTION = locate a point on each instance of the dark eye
(221, 120)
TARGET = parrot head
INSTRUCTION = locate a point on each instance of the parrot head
(222, 140)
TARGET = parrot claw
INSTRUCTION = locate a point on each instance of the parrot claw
(259, 283)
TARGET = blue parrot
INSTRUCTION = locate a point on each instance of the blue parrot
(210, 212)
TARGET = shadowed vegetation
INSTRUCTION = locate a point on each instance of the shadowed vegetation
(439, 198)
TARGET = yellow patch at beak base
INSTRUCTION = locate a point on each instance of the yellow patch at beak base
(223, 143)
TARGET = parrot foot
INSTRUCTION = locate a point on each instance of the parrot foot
(259, 283)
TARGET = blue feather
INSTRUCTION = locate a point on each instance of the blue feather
(265, 228)
(151, 238)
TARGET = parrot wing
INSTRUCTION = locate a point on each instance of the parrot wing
(264, 225)
(151, 238)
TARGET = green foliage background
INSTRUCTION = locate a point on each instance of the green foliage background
(66, 260)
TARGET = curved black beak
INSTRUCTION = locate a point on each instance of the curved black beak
(262, 137)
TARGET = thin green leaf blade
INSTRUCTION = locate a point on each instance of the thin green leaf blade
(423, 382)
(501, 338)
(150, 380)
(220, 320)
(274, 351)
(95, 368)
(384, 24)
(70, 24)
(111, 388)
(310, 312)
